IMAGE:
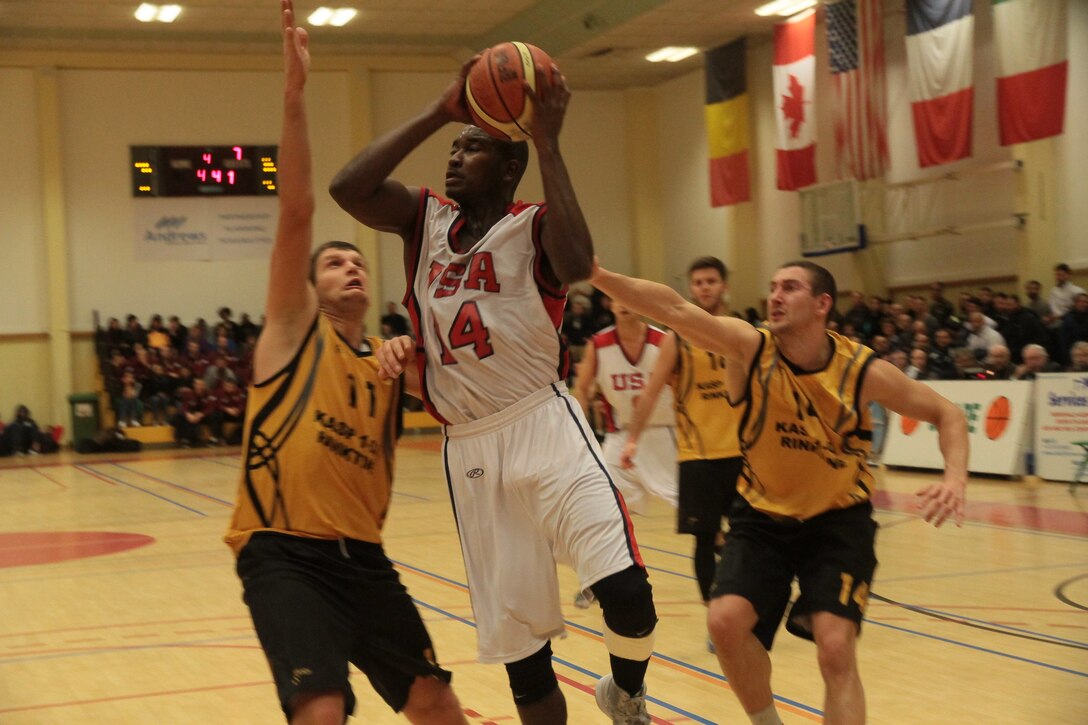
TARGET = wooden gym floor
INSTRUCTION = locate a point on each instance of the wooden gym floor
(119, 604)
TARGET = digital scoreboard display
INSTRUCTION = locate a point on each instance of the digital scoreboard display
(203, 170)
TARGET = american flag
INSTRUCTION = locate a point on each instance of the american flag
(855, 36)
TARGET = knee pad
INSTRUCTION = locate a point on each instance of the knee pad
(629, 615)
(533, 678)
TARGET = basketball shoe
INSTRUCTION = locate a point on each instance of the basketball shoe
(624, 709)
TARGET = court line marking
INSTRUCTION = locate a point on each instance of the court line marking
(98, 474)
(178, 486)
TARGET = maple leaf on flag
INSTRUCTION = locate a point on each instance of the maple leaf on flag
(793, 105)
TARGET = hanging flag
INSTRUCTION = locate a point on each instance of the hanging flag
(939, 63)
(855, 39)
(727, 124)
(1032, 68)
(794, 88)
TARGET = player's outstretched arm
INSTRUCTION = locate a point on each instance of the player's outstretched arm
(729, 337)
(291, 302)
(584, 376)
(645, 403)
(888, 386)
(565, 233)
(363, 187)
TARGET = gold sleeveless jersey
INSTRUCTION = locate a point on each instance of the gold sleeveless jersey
(805, 441)
(706, 422)
(317, 454)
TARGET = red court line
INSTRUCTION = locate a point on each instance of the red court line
(1034, 518)
(137, 696)
(114, 625)
(50, 478)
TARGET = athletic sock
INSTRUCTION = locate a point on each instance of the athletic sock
(628, 674)
(766, 716)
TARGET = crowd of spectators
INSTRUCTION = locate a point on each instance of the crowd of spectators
(193, 378)
(984, 335)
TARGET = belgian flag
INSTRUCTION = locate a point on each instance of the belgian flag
(727, 124)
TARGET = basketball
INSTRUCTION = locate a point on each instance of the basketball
(997, 418)
(494, 93)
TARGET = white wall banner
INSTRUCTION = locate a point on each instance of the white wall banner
(199, 228)
(998, 427)
(1061, 426)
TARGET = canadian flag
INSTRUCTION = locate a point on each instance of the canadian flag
(794, 89)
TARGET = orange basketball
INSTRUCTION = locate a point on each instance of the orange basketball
(909, 425)
(997, 418)
(494, 92)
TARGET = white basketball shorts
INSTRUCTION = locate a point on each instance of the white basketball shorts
(655, 471)
(530, 489)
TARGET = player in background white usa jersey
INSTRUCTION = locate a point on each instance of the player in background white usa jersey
(487, 282)
(617, 363)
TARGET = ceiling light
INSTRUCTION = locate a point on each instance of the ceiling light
(164, 13)
(321, 16)
(168, 13)
(784, 8)
(671, 54)
(146, 12)
(342, 16)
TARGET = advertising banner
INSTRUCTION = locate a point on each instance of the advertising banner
(998, 423)
(1061, 426)
(197, 228)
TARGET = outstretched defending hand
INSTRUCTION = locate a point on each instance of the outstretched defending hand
(296, 48)
(938, 501)
(393, 356)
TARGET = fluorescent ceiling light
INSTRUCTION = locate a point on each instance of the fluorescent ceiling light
(671, 54)
(342, 16)
(321, 16)
(168, 13)
(146, 12)
(784, 8)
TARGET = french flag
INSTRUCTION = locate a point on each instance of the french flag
(794, 92)
(1032, 68)
(939, 65)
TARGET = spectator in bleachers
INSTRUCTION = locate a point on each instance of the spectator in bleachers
(919, 365)
(1062, 294)
(194, 405)
(183, 381)
(22, 435)
(217, 372)
(1078, 354)
(600, 312)
(246, 329)
(1036, 360)
(1035, 302)
(1018, 325)
(129, 408)
(985, 297)
(179, 333)
(134, 332)
(198, 332)
(115, 334)
(224, 345)
(921, 340)
(394, 324)
(1074, 324)
(917, 307)
(939, 307)
(904, 331)
(577, 325)
(226, 320)
(941, 364)
(888, 330)
(998, 363)
(981, 336)
(881, 346)
(158, 394)
(899, 359)
(858, 314)
(967, 365)
(195, 358)
(230, 407)
(157, 336)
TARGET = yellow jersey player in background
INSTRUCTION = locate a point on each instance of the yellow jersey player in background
(317, 471)
(806, 512)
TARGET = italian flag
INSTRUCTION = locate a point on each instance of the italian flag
(1032, 67)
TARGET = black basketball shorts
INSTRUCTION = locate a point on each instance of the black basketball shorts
(318, 605)
(707, 491)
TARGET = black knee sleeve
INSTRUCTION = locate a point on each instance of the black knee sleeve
(532, 679)
(627, 601)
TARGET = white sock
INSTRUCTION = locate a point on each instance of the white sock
(766, 716)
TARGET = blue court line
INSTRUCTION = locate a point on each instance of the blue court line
(578, 668)
(88, 469)
(950, 615)
(122, 648)
(979, 649)
(175, 485)
(984, 572)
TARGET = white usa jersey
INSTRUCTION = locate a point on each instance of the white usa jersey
(486, 320)
(621, 380)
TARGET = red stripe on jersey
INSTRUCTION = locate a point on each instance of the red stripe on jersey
(655, 336)
(412, 305)
(629, 527)
(606, 337)
(538, 260)
(415, 248)
(608, 412)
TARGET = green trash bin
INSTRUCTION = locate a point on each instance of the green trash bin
(85, 420)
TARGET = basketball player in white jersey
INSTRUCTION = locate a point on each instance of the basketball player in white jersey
(487, 282)
(617, 364)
